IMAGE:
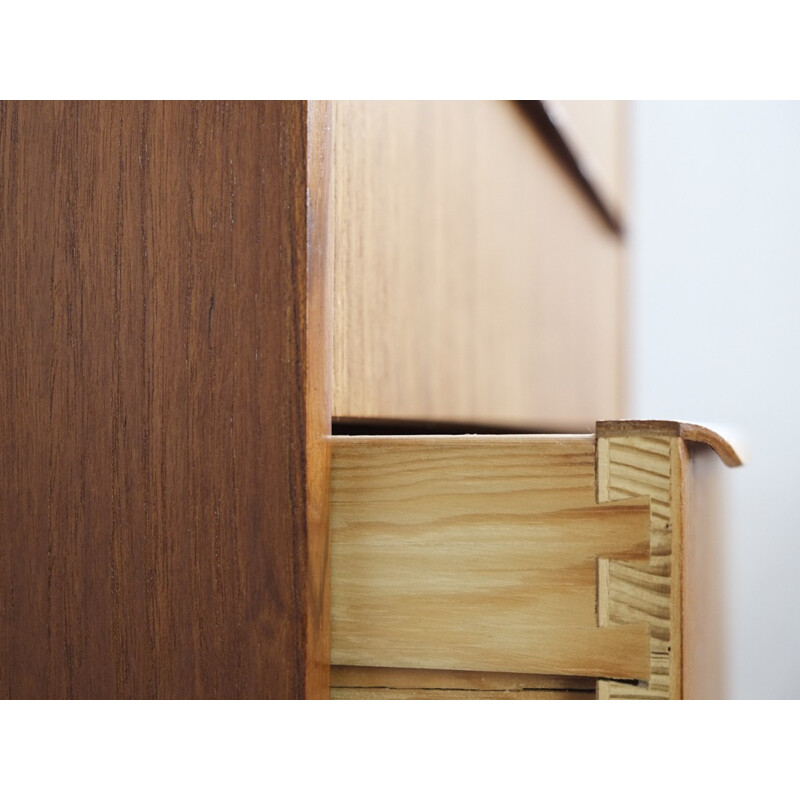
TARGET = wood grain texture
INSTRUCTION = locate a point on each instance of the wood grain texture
(677, 592)
(457, 694)
(477, 553)
(473, 280)
(688, 431)
(647, 467)
(371, 683)
(154, 427)
(550, 120)
(390, 678)
(596, 131)
(317, 398)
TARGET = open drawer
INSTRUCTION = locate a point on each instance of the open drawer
(517, 566)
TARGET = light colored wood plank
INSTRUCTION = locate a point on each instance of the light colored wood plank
(478, 553)
(646, 466)
(595, 130)
(458, 694)
(473, 280)
(676, 592)
(389, 678)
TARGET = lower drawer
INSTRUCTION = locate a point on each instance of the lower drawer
(512, 566)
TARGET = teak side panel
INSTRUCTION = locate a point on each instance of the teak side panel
(478, 553)
(153, 353)
(473, 280)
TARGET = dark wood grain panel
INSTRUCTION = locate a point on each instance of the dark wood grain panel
(155, 446)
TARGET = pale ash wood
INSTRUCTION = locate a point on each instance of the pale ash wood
(474, 282)
(416, 496)
(388, 678)
(478, 553)
(652, 459)
(646, 592)
(458, 694)
(378, 683)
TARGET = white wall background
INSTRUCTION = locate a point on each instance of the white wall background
(715, 336)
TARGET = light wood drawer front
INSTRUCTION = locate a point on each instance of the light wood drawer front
(509, 555)
(473, 281)
(595, 130)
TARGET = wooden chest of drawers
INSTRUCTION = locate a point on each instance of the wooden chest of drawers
(195, 296)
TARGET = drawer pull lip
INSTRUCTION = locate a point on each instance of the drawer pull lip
(689, 431)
